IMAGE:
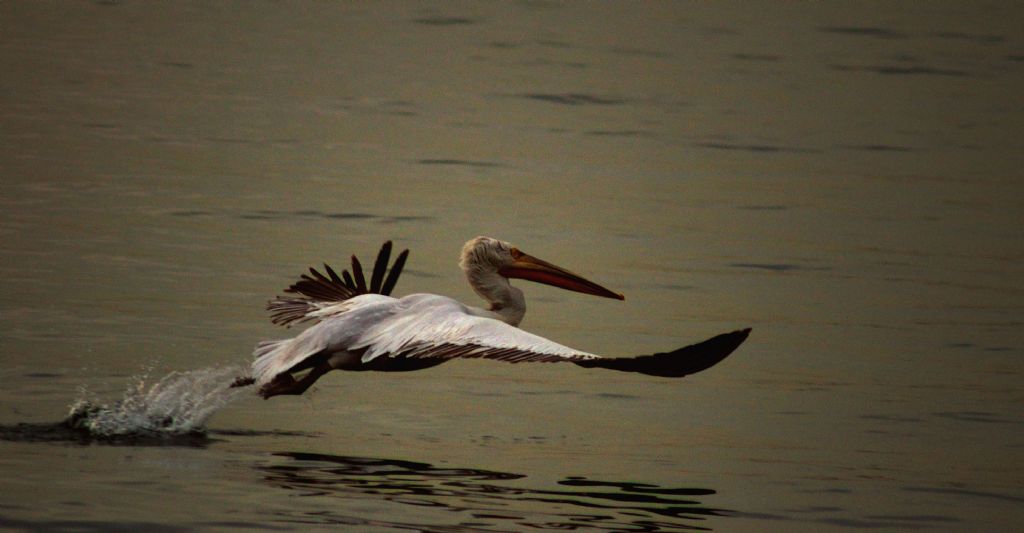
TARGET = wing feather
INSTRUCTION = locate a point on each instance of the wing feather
(349, 282)
(334, 275)
(276, 357)
(380, 267)
(677, 363)
(436, 327)
(396, 269)
(357, 271)
(315, 291)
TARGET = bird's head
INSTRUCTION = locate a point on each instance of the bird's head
(483, 255)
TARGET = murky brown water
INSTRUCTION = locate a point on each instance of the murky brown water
(844, 179)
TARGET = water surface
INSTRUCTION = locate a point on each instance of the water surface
(843, 179)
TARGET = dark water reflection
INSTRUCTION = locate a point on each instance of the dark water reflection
(70, 432)
(480, 500)
(67, 433)
(483, 499)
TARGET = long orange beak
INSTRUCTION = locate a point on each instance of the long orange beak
(530, 268)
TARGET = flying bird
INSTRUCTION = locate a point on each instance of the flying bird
(361, 327)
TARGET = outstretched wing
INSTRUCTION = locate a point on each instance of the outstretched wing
(316, 291)
(435, 327)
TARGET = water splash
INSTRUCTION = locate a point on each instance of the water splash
(179, 403)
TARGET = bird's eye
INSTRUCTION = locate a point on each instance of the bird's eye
(516, 254)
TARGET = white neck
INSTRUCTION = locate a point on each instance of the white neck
(506, 302)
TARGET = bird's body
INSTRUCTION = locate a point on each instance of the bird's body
(368, 327)
(359, 329)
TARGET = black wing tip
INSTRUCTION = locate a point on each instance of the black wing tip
(357, 272)
(333, 274)
(330, 287)
(678, 363)
(396, 270)
(380, 268)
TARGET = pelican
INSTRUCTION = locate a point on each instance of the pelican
(360, 327)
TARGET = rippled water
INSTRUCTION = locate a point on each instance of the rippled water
(844, 179)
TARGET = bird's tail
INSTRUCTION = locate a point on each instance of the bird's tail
(265, 359)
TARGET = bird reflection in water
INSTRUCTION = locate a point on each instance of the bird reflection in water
(484, 500)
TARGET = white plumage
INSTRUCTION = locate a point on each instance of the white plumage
(415, 326)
